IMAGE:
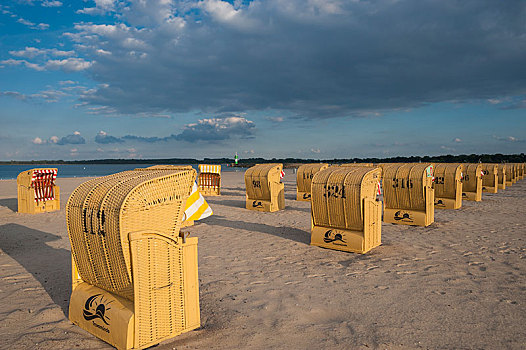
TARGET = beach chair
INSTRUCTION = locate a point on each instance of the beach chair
(502, 176)
(490, 180)
(510, 174)
(448, 186)
(358, 164)
(521, 170)
(472, 182)
(408, 194)
(304, 177)
(134, 277)
(209, 179)
(345, 214)
(196, 207)
(265, 191)
(516, 172)
(37, 191)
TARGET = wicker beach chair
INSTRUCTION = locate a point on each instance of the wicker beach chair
(304, 177)
(209, 179)
(510, 174)
(448, 186)
(37, 191)
(472, 182)
(502, 176)
(265, 191)
(490, 179)
(408, 194)
(345, 213)
(134, 277)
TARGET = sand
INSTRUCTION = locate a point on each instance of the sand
(457, 284)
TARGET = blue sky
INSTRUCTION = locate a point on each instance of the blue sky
(278, 78)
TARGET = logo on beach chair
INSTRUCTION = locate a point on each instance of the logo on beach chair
(464, 194)
(257, 204)
(331, 237)
(439, 202)
(402, 217)
(95, 308)
(306, 195)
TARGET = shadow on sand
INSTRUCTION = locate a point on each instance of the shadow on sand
(50, 266)
(291, 233)
(10, 203)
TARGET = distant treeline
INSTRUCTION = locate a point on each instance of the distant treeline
(462, 158)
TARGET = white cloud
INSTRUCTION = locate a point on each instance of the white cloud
(40, 26)
(315, 150)
(37, 141)
(53, 139)
(51, 3)
(457, 140)
(71, 64)
(101, 7)
(32, 52)
(76, 133)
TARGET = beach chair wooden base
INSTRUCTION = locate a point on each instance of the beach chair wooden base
(502, 186)
(277, 203)
(408, 217)
(448, 203)
(349, 240)
(188, 223)
(209, 192)
(472, 196)
(165, 302)
(28, 205)
(490, 189)
(303, 196)
(509, 183)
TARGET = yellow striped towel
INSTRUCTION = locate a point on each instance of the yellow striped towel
(196, 206)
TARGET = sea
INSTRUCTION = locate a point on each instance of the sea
(11, 171)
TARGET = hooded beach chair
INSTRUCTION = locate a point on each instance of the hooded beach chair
(134, 276)
(265, 191)
(448, 185)
(344, 211)
(510, 174)
(521, 170)
(502, 176)
(37, 191)
(209, 179)
(490, 179)
(304, 177)
(196, 207)
(408, 194)
(472, 182)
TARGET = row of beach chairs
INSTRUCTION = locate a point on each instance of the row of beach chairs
(346, 212)
(134, 273)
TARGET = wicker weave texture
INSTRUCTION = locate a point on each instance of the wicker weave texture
(258, 179)
(305, 174)
(338, 195)
(447, 177)
(209, 179)
(404, 185)
(159, 297)
(102, 212)
(490, 178)
(471, 177)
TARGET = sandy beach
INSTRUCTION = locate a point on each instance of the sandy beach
(457, 284)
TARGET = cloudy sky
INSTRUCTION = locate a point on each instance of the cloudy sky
(272, 78)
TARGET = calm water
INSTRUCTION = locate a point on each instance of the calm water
(81, 170)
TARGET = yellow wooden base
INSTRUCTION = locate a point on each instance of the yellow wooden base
(490, 189)
(303, 196)
(472, 196)
(408, 217)
(448, 203)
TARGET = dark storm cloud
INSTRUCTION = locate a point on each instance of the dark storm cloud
(205, 130)
(103, 138)
(73, 139)
(311, 58)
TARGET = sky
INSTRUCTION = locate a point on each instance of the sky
(317, 79)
